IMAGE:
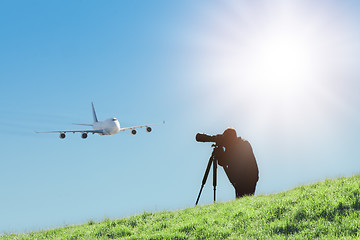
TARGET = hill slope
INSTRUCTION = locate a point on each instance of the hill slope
(327, 209)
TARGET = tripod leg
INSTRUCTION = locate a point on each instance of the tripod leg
(214, 177)
(197, 200)
(204, 178)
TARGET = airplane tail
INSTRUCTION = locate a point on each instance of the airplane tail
(94, 113)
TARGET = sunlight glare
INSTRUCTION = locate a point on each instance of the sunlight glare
(282, 64)
(272, 64)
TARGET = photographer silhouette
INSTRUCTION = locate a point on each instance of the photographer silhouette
(236, 156)
(239, 163)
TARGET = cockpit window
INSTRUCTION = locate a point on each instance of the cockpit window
(114, 119)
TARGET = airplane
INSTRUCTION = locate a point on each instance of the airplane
(109, 126)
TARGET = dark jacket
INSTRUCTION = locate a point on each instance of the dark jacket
(239, 163)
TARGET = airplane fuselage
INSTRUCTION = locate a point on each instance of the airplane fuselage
(109, 126)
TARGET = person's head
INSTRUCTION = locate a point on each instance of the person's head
(230, 136)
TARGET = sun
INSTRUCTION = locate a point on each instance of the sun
(281, 63)
(272, 63)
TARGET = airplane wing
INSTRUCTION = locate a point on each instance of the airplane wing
(141, 126)
(73, 131)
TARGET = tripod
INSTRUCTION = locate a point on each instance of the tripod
(213, 161)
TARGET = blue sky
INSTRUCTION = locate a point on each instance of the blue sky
(284, 74)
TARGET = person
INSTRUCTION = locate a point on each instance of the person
(239, 163)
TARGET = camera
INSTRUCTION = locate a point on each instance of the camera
(218, 139)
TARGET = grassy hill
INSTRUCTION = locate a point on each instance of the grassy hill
(329, 209)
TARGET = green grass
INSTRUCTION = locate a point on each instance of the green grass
(328, 209)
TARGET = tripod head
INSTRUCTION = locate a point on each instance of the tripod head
(217, 152)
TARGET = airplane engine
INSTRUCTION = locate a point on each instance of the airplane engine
(148, 129)
(62, 135)
(84, 135)
(133, 132)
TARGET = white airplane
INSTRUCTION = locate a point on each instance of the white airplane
(107, 127)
